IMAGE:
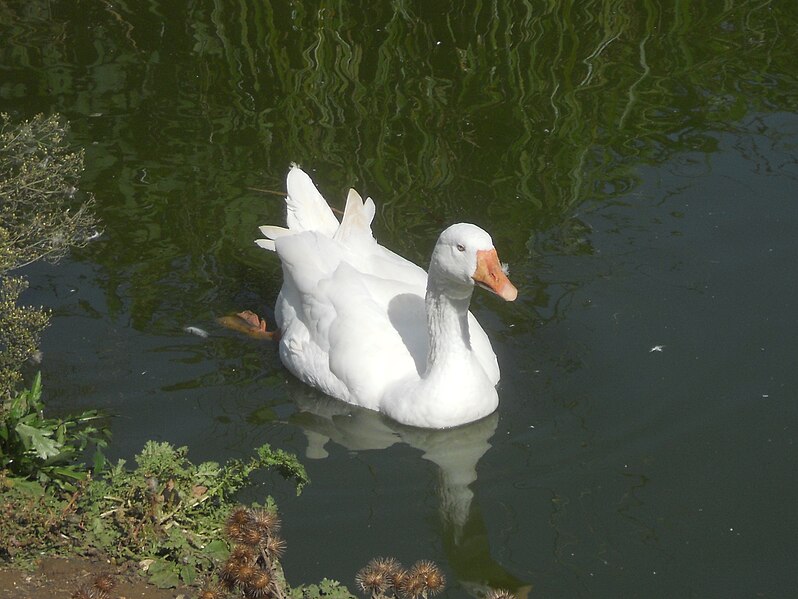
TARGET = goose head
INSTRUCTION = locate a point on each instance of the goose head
(464, 256)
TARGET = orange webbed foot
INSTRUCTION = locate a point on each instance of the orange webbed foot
(249, 323)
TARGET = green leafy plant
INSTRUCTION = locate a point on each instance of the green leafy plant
(169, 513)
(33, 521)
(48, 450)
(166, 514)
(326, 588)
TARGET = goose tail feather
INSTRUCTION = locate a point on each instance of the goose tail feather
(306, 210)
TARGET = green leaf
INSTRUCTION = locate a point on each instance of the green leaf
(69, 472)
(188, 574)
(98, 460)
(29, 486)
(19, 406)
(163, 574)
(38, 440)
(217, 550)
(60, 433)
(208, 470)
(36, 388)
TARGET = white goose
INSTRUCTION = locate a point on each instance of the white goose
(364, 325)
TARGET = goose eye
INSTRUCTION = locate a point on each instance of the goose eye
(460, 247)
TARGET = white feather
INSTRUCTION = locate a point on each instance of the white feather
(273, 231)
(306, 208)
(266, 244)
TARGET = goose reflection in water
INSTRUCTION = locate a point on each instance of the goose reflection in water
(455, 452)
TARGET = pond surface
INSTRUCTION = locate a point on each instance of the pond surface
(637, 166)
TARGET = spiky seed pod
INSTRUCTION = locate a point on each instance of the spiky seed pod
(252, 536)
(259, 585)
(105, 583)
(228, 575)
(274, 547)
(392, 568)
(398, 579)
(240, 527)
(267, 521)
(240, 515)
(435, 583)
(388, 565)
(245, 574)
(413, 585)
(242, 554)
(82, 592)
(424, 567)
(244, 534)
(500, 594)
(372, 580)
(89, 592)
(232, 531)
(212, 591)
(434, 579)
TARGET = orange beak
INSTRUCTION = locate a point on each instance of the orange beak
(489, 274)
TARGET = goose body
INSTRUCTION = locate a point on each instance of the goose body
(366, 326)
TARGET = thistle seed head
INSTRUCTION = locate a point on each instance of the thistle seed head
(275, 547)
(372, 580)
(245, 574)
(240, 527)
(228, 575)
(82, 592)
(242, 554)
(389, 565)
(212, 591)
(413, 585)
(104, 583)
(267, 521)
(239, 515)
(433, 578)
(259, 585)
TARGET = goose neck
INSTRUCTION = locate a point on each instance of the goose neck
(447, 325)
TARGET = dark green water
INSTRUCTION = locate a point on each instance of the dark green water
(637, 165)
